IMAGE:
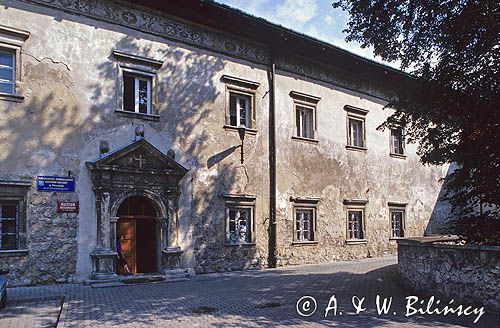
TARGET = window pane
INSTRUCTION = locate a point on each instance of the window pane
(232, 110)
(128, 93)
(243, 107)
(7, 58)
(8, 242)
(298, 121)
(6, 87)
(6, 74)
(143, 96)
(8, 227)
(9, 211)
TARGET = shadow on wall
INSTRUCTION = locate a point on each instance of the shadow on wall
(442, 214)
(47, 132)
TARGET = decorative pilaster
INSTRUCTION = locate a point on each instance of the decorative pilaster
(103, 257)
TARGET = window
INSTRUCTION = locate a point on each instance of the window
(355, 221)
(13, 216)
(397, 223)
(397, 219)
(356, 132)
(9, 230)
(304, 121)
(239, 219)
(240, 103)
(397, 142)
(305, 116)
(304, 224)
(239, 225)
(355, 210)
(11, 43)
(304, 219)
(136, 93)
(240, 109)
(7, 71)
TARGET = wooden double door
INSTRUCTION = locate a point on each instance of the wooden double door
(138, 227)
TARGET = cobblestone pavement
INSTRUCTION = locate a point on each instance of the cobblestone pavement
(266, 298)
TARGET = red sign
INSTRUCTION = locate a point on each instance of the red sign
(68, 207)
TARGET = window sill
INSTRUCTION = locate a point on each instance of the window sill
(14, 253)
(305, 243)
(241, 245)
(402, 156)
(356, 148)
(149, 117)
(355, 241)
(315, 141)
(235, 128)
(11, 97)
(396, 238)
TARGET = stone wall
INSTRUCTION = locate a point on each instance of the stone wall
(469, 274)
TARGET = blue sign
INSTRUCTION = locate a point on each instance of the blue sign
(58, 184)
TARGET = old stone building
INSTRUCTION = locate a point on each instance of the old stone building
(127, 119)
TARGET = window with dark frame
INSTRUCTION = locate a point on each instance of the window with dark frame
(239, 225)
(304, 120)
(397, 141)
(9, 225)
(355, 224)
(240, 109)
(136, 93)
(397, 223)
(304, 224)
(7, 71)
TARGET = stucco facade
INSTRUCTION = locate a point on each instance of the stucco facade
(68, 87)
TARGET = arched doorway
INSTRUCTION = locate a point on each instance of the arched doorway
(137, 224)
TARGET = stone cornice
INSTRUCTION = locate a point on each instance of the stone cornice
(159, 24)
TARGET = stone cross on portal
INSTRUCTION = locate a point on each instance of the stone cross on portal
(139, 159)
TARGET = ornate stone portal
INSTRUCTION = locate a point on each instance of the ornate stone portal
(138, 169)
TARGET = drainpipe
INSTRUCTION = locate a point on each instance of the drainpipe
(272, 167)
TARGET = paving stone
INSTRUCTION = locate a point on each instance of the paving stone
(265, 298)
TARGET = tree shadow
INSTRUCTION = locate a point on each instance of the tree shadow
(259, 298)
(69, 109)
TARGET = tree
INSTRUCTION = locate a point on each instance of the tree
(453, 50)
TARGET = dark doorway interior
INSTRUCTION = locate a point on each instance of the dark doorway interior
(137, 225)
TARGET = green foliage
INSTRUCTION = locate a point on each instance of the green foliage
(453, 50)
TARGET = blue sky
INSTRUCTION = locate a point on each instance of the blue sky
(316, 18)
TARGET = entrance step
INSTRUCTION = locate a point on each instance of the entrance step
(120, 281)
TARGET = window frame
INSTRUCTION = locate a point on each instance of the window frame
(250, 224)
(356, 114)
(357, 205)
(140, 68)
(397, 207)
(309, 103)
(391, 144)
(12, 40)
(305, 204)
(16, 192)
(249, 108)
(236, 85)
(239, 201)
